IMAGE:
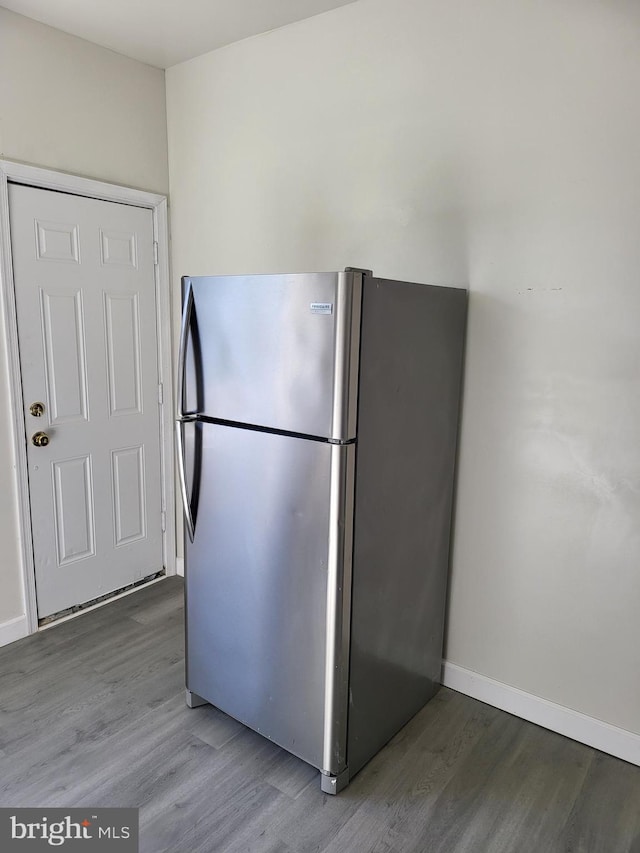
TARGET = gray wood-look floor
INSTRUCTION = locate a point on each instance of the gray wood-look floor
(92, 713)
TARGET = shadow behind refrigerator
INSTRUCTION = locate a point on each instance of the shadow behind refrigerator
(316, 431)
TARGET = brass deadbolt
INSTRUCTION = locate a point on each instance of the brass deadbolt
(37, 409)
(40, 439)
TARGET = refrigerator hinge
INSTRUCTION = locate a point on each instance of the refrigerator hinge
(155, 253)
(163, 520)
(357, 269)
(160, 394)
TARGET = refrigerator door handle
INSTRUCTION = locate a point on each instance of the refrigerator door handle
(186, 503)
(187, 310)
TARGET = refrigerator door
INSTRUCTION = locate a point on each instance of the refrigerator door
(268, 580)
(277, 351)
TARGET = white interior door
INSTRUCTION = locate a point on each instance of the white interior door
(85, 302)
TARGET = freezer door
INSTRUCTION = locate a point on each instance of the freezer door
(277, 351)
(268, 586)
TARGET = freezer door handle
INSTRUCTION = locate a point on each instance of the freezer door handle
(187, 310)
(182, 476)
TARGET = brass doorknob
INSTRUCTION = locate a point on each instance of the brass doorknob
(36, 409)
(40, 439)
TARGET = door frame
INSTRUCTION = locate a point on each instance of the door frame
(49, 179)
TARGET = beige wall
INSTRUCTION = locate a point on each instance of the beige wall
(70, 105)
(493, 143)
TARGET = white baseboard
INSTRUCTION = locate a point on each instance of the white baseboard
(180, 566)
(603, 736)
(13, 629)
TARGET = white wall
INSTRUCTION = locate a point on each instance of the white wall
(493, 143)
(70, 105)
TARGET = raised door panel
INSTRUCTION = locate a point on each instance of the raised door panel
(119, 248)
(62, 320)
(129, 503)
(122, 333)
(57, 241)
(74, 509)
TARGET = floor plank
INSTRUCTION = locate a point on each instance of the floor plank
(92, 713)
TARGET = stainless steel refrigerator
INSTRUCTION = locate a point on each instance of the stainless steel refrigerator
(316, 431)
